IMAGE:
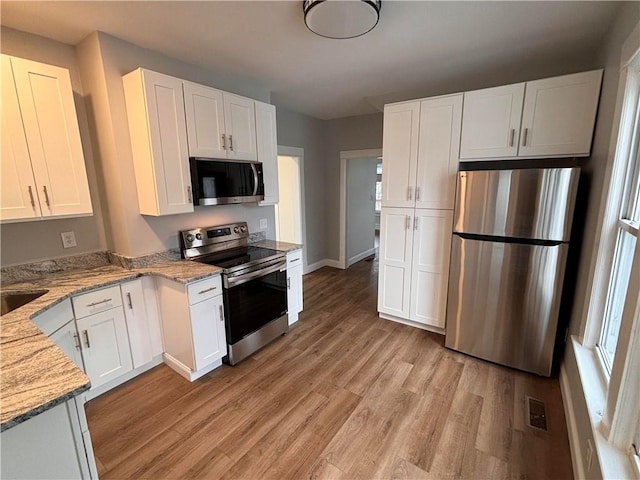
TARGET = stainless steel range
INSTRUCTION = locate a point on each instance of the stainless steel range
(254, 281)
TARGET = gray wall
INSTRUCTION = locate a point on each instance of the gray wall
(362, 132)
(39, 240)
(594, 173)
(361, 215)
(103, 61)
(298, 130)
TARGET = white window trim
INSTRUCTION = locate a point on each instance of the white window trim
(614, 432)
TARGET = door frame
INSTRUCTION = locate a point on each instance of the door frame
(345, 156)
(284, 150)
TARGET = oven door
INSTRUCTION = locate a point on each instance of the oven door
(254, 299)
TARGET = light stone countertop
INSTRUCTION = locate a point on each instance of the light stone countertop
(34, 373)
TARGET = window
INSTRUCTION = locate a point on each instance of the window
(379, 187)
(626, 238)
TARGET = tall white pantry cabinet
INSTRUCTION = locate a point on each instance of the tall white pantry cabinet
(420, 153)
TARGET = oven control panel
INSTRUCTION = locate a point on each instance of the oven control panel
(200, 237)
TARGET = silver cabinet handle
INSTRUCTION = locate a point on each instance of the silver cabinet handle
(86, 338)
(76, 337)
(189, 194)
(206, 290)
(106, 300)
(524, 137)
(33, 202)
(417, 193)
(409, 190)
(129, 302)
(294, 260)
(408, 223)
(415, 224)
(46, 195)
(231, 142)
(289, 283)
(221, 314)
(512, 136)
(224, 141)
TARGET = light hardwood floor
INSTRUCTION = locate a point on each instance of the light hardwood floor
(343, 395)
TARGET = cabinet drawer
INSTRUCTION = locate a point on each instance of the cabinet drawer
(204, 289)
(55, 318)
(97, 301)
(294, 258)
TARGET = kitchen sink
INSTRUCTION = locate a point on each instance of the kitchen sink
(9, 301)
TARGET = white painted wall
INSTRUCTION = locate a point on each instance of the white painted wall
(361, 188)
(289, 213)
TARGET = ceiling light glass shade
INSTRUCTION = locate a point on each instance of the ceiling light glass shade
(341, 18)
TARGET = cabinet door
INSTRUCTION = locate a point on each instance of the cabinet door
(207, 324)
(559, 115)
(438, 151)
(294, 292)
(135, 312)
(240, 125)
(105, 346)
(430, 266)
(491, 122)
(400, 154)
(68, 340)
(51, 129)
(267, 148)
(158, 132)
(18, 189)
(204, 110)
(396, 243)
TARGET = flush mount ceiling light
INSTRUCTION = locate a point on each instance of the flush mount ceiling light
(341, 18)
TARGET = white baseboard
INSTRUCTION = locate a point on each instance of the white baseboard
(360, 256)
(320, 264)
(572, 429)
(185, 371)
(404, 321)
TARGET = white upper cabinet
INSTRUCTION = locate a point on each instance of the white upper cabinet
(400, 154)
(421, 142)
(491, 122)
(204, 109)
(240, 126)
(43, 171)
(559, 115)
(156, 112)
(267, 148)
(553, 117)
(438, 151)
(219, 124)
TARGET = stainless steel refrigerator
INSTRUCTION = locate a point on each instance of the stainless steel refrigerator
(508, 257)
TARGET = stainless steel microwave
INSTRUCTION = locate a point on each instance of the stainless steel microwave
(220, 182)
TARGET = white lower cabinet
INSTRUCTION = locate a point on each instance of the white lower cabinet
(193, 330)
(414, 264)
(294, 285)
(49, 445)
(105, 346)
(143, 324)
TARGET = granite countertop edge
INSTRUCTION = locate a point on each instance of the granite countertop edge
(23, 345)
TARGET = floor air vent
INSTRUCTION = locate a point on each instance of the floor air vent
(536, 414)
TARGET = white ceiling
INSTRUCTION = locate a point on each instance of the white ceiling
(417, 46)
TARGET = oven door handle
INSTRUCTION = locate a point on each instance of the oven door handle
(230, 282)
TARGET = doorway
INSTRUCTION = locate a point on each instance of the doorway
(289, 211)
(358, 199)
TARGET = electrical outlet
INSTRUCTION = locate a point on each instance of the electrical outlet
(589, 455)
(68, 239)
(263, 224)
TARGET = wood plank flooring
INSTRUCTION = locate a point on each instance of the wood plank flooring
(344, 395)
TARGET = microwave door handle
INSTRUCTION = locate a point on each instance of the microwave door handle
(255, 179)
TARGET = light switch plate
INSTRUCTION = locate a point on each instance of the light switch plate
(68, 239)
(263, 224)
